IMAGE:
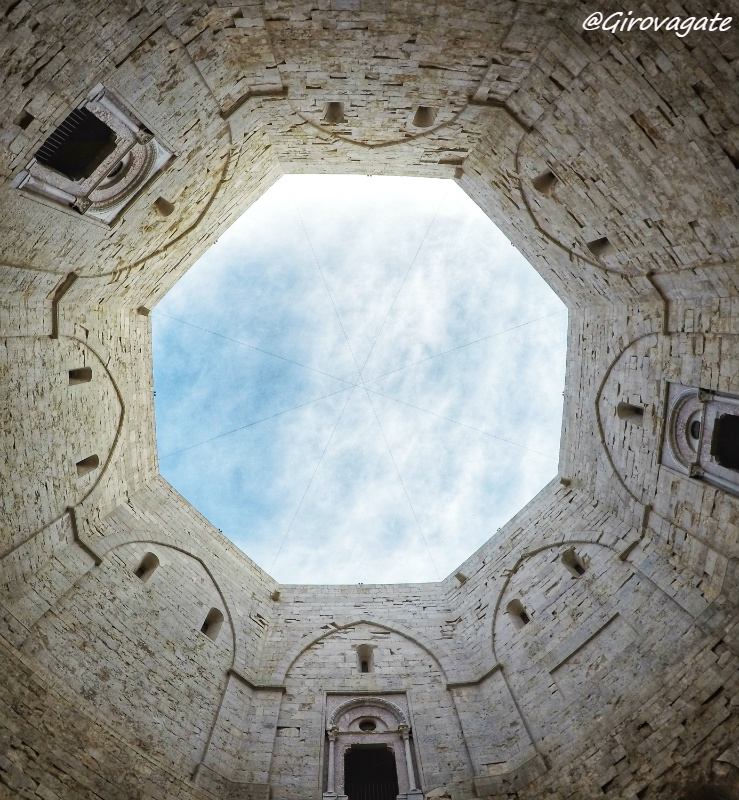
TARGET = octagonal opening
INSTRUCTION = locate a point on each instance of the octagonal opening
(361, 381)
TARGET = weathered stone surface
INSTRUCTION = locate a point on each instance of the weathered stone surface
(610, 160)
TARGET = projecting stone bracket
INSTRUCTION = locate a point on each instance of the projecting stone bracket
(511, 781)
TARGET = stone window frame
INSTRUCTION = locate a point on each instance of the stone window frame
(138, 158)
(689, 457)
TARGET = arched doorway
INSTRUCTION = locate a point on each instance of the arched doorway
(370, 754)
(370, 773)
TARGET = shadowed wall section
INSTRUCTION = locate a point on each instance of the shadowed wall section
(592, 648)
(169, 675)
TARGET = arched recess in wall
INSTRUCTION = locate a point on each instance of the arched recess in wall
(324, 676)
(583, 630)
(630, 410)
(436, 650)
(150, 545)
(502, 198)
(106, 547)
(576, 213)
(504, 597)
(120, 246)
(636, 448)
(463, 59)
(111, 627)
(584, 549)
(61, 455)
(497, 588)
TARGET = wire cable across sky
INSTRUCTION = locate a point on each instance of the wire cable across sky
(361, 390)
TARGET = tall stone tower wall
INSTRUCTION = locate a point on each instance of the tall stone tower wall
(611, 160)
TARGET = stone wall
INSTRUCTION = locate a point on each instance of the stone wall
(623, 681)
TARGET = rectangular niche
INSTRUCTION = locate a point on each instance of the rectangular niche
(80, 375)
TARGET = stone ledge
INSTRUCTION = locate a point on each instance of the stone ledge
(230, 790)
(511, 781)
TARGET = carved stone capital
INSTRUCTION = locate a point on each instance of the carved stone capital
(82, 204)
(143, 136)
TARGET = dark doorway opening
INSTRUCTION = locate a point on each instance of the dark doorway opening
(78, 146)
(725, 441)
(370, 773)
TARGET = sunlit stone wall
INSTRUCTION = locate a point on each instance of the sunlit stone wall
(610, 160)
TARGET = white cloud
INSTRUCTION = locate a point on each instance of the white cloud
(323, 301)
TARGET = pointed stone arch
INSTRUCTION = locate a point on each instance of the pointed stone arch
(112, 543)
(437, 652)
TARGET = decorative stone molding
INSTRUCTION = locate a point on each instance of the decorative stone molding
(117, 171)
(339, 711)
(389, 727)
(691, 444)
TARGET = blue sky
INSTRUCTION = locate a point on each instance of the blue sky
(365, 451)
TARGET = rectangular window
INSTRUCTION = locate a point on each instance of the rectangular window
(78, 146)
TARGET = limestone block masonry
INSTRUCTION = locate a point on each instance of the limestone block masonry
(593, 648)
